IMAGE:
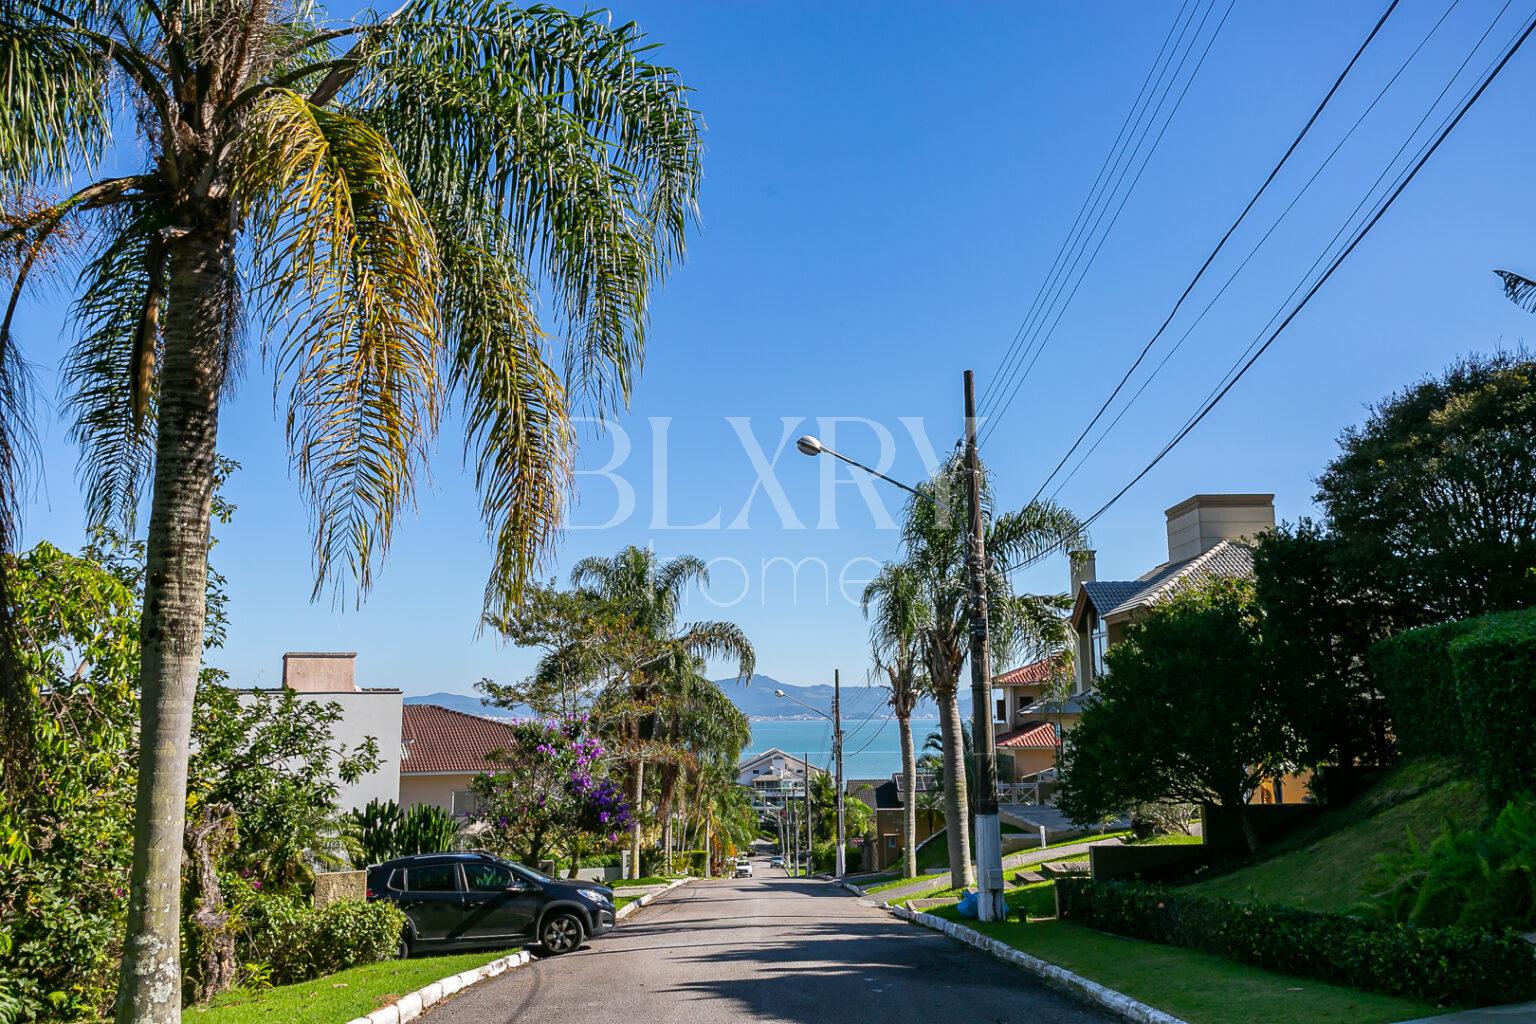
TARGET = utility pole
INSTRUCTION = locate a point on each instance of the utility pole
(989, 841)
(810, 836)
(837, 754)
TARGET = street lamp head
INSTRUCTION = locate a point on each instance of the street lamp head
(809, 445)
(780, 693)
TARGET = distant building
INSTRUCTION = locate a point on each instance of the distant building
(775, 777)
(331, 678)
(444, 751)
(884, 797)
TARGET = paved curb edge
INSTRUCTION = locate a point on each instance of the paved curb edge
(1117, 1003)
(407, 1008)
(634, 905)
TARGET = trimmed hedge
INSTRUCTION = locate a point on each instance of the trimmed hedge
(1495, 668)
(298, 942)
(1413, 669)
(1446, 966)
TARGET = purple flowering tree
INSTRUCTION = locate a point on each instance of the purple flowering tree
(550, 793)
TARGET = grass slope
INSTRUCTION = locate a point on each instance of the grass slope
(1329, 865)
(337, 997)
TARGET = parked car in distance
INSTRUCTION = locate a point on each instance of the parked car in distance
(743, 868)
(460, 900)
(776, 861)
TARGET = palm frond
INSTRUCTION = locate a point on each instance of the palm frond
(720, 640)
(54, 88)
(347, 266)
(1519, 290)
(109, 373)
(590, 152)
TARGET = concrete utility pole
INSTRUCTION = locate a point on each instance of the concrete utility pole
(989, 840)
(810, 837)
(837, 754)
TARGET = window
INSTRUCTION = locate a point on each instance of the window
(432, 878)
(1100, 643)
(484, 877)
(465, 802)
(1001, 715)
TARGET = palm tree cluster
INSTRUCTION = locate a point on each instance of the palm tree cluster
(616, 648)
(376, 205)
(920, 622)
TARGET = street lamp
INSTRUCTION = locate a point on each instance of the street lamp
(989, 847)
(836, 718)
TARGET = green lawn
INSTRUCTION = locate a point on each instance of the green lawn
(633, 883)
(1196, 987)
(1328, 866)
(897, 883)
(337, 997)
(1175, 839)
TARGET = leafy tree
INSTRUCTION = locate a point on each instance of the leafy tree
(385, 200)
(1430, 499)
(858, 817)
(1318, 622)
(549, 788)
(895, 639)
(1187, 711)
(936, 535)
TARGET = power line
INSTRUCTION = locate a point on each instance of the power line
(1211, 258)
(1061, 310)
(1321, 256)
(1091, 199)
(1382, 207)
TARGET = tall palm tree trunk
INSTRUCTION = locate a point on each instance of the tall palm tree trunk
(956, 800)
(175, 606)
(909, 806)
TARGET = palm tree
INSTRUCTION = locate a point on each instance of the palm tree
(383, 200)
(648, 592)
(895, 635)
(936, 535)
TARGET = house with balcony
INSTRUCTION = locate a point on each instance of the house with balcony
(775, 777)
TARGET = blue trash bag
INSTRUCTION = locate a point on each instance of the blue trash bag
(967, 905)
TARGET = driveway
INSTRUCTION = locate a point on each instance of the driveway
(769, 948)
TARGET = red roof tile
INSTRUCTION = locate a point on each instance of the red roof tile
(439, 739)
(1031, 737)
(1033, 674)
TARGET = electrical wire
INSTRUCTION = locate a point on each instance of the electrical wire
(1216, 251)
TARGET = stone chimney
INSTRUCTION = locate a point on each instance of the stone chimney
(1084, 569)
(320, 671)
(1198, 524)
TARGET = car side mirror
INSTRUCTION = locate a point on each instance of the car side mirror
(516, 887)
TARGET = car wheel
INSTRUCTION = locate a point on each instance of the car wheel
(560, 933)
(403, 950)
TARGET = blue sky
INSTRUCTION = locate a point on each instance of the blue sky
(885, 187)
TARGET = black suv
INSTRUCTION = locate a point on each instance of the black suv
(456, 900)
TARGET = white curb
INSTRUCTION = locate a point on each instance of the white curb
(1117, 1003)
(408, 1007)
(634, 905)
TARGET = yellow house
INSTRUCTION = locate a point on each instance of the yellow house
(443, 752)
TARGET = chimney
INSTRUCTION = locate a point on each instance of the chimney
(1084, 569)
(1198, 524)
(320, 671)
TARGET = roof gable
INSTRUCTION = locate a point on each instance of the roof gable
(439, 739)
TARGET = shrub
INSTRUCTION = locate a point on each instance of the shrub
(1413, 669)
(384, 831)
(1495, 669)
(298, 942)
(1441, 965)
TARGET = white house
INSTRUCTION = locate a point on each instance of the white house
(775, 777)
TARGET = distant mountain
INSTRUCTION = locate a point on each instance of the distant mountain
(468, 705)
(756, 699)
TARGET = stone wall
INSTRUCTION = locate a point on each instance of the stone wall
(333, 886)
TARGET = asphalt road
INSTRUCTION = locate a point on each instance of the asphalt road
(769, 948)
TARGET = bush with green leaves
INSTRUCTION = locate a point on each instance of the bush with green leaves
(1495, 667)
(1482, 878)
(1446, 966)
(1413, 669)
(296, 942)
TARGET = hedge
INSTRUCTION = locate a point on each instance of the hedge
(1495, 667)
(1445, 966)
(1413, 669)
(298, 942)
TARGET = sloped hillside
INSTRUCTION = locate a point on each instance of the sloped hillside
(1329, 865)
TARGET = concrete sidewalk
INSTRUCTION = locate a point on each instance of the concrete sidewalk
(1514, 1013)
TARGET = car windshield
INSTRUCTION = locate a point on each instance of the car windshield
(537, 876)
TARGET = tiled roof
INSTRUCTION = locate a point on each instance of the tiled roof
(440, 739)
(1041, 736)
(1033, 674)
(1229, 558)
